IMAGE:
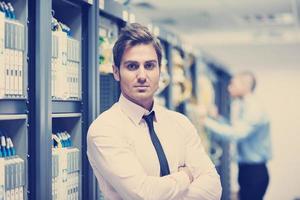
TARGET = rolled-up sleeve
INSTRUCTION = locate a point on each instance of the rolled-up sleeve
(112, 158)
(206, 184)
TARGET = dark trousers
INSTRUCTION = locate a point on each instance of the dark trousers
(253, 180)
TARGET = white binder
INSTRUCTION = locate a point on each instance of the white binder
(2, 56)
(54, 67)
(11, 58)
(62, 72)
(61, 181)
(73, 68)
(2, 179)
(20, 48)
(15, 59)
(20, 179)
(7, 58)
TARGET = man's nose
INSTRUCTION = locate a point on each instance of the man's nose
(142, 75)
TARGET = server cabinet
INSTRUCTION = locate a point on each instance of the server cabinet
(222, 100)
(13, 100)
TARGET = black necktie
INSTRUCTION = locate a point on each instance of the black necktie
(164, 166)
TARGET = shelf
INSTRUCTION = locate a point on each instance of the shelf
(76, 3)
(12, 117)
(60, 106)
(13, 106)
(66, 115)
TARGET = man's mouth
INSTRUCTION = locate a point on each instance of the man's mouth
(141, 86)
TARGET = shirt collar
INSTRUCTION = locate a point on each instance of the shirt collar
(134, 111)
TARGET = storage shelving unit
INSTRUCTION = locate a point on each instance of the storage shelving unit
(13, 99)
(51, 114)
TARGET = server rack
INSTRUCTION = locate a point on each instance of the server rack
(222, 101)
(164, 95)
(183, 76)
(13, 99)
(112, 17)
(90, 100)
(66, 101)
(169, 42)
(109, 88)
(49, 113)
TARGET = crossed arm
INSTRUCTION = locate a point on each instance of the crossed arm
(112, 158)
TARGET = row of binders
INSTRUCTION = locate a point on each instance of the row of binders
(65, 168)
(12, 36)
(12, 172)
(12, 178)
(65, 70)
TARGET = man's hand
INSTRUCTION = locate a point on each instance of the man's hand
(187, 171)
(213, 111)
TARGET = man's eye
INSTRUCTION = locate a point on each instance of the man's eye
(132, 66)
(150, 66)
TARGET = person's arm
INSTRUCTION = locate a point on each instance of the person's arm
(234, 131)
(206, 184)
(112, 157)
(240, 128)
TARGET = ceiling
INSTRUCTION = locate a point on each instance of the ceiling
(239, 33)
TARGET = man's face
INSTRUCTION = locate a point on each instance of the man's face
(236, 87)
(139, 74)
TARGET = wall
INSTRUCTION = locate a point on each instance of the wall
(280, 90)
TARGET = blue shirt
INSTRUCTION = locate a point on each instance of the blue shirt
(249, 128)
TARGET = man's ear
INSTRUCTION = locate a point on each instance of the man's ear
(116, 73)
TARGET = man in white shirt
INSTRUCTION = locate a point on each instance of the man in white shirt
(249, 130)
(138, 149)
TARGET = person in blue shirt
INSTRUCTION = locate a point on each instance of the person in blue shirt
(249, 128)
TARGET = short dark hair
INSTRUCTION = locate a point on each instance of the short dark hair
(252, 76)
(131, 35)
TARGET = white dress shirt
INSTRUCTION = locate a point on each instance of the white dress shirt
(125, 162)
